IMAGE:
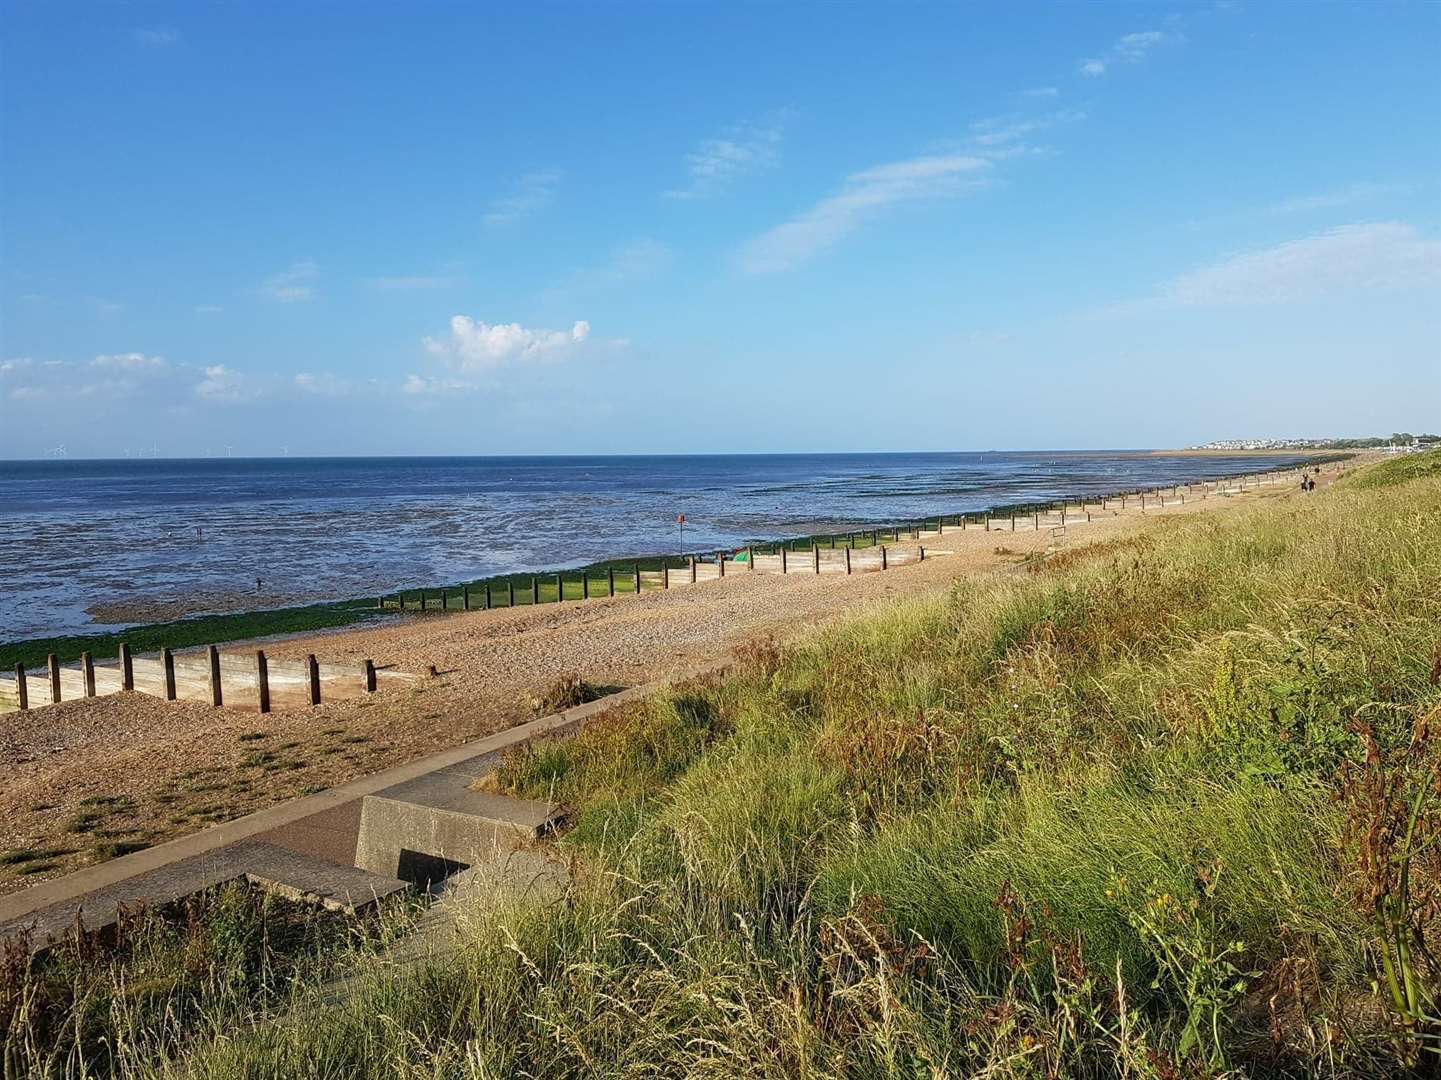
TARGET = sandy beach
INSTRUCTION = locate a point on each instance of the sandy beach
(86, 779)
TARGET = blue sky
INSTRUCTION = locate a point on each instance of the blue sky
(446, 228)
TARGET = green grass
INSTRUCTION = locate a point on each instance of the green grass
(1089, 818)
(1400, 469)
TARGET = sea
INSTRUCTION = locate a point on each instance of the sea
(81, 540)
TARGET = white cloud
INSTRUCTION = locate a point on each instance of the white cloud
(223, 385)
(1129, 49)
(1376, 257)
(129, 362)
(862, 195)
(532, 192)
(718, 162)
(480, 346)
(1040, 92)
(294, 284)
(157, 37)
(113, 375)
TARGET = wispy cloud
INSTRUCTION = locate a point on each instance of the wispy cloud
(323, 384)
(480, 346)
(292, 285)
(1350, 260)
(1329, 200)
(625, 265)
(415, 283)
(718, 162)
(133, 361)
(208, 309)
(531, 192)
(863, 195)
(431, 386)
(1129, 49)
(1001, 131)
(156, 37)
(1041, 92)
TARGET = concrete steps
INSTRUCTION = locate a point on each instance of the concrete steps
(294, 876)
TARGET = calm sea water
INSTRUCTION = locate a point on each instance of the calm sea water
(76, 532)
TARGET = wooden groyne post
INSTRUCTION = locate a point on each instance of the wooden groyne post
(167, 660)
(369, 672)
(127, 668)
(22, 691)
(87, 668)
(53, 663)
(262, 680)
(217, 697)
(312, 673)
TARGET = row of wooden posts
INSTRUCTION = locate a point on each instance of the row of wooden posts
(167, 659)
(488, 596)
(485, 599)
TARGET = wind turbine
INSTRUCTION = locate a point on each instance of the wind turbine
(58, 451)
(228, 450)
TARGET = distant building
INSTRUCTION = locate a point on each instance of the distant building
(1399, 443)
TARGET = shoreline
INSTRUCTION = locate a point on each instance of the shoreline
(226, 618)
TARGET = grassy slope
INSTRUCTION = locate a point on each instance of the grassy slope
(958, 834)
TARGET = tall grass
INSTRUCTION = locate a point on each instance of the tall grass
(1080, 820)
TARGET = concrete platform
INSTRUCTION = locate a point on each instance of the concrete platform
(433, 827)
(337, 888)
